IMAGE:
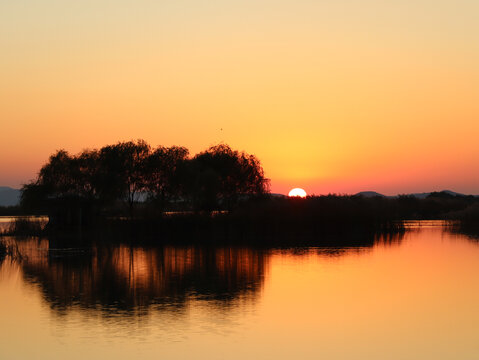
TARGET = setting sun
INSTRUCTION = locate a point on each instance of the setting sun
(298, 192)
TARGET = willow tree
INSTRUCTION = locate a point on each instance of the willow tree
(219, 177)
(122, 171)
(165, 167)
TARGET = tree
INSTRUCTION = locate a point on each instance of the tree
(221, 176)
(122, 173)
(69, 176)
(64, 188)
(57, 176)
(87, 183)
(164, 166)
(87, 177)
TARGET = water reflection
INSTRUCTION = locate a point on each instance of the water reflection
(114, 278)
(407, 296)
(127, 278)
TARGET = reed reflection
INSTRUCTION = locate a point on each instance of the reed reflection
(122, 277)
(134, 280)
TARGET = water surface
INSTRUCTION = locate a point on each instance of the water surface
(414, 296)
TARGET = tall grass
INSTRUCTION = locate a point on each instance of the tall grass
(25, 226)
(468, 220)
(262, 220)
(312, 221)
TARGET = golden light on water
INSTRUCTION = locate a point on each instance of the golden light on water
(235, 300)
(297, 192)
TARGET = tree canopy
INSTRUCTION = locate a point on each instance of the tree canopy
(126, 172)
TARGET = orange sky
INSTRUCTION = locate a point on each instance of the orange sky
(336, 96)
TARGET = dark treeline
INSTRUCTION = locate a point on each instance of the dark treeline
(11, 210)
(469, 220)
(436, 206)
(134, 189)
(119, 179)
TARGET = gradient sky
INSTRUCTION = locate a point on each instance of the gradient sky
(333, 96)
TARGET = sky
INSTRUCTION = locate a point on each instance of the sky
(332, 96)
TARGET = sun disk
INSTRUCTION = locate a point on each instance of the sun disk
(297, 192)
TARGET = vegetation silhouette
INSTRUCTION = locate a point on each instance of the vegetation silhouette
(468, 220)
(167, 171)
(76, 190)
(218, 194)
(24, 226)
(11, 211)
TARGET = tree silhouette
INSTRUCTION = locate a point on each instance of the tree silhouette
(220, 176)
(93, 180)
(164, 168)
(122, 171)
(58, 175)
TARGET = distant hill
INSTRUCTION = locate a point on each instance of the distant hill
(439, 193)
(416, 195)
(9, 196)
(369, 194)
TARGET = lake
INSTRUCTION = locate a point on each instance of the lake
(409, 296)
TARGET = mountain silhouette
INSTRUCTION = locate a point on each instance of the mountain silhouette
(368, 194)
(9, 196)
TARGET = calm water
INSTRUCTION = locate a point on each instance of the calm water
(409, 297)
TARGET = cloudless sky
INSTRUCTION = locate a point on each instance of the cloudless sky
(332, 96)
